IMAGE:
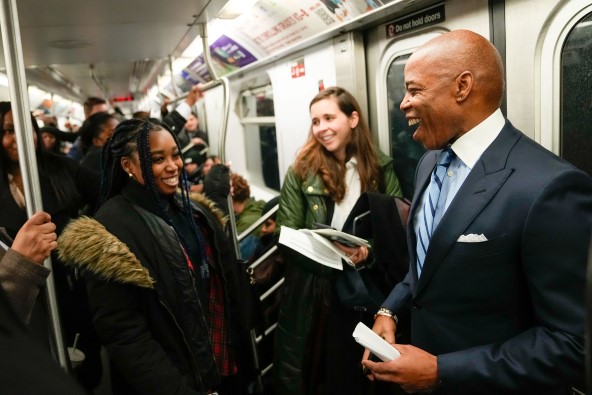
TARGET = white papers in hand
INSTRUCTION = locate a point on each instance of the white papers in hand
(376, 344)
(332, 233)
(312, 246)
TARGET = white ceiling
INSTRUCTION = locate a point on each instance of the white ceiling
(128, 42)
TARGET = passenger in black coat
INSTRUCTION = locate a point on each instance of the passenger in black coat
(66, 188)
(162, 277)
(25, 366)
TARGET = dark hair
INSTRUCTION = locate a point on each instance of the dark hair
(141, 115)
(133, 135)
(49, 165)
(91, 102)
(91, 129)
(56, 133)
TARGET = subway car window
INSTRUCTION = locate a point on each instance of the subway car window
(258, 119)
(405, 151)
(576, 101)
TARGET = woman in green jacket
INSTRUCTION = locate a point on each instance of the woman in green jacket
(314, 351)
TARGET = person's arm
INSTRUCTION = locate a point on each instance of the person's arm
(553, 253)
(176, 119)
(554, 247)
(164, 107)
(291, 213)
(22, 273)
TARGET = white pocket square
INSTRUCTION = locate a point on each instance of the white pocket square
(472, 238)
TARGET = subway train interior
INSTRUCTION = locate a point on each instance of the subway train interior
(265, 60)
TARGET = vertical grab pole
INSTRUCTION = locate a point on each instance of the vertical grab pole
(223, 127)
(222, 150)
(26, 147)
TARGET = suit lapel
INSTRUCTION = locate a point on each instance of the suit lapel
(485, 179)
(422, 179)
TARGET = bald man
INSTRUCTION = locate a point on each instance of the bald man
(498, 256)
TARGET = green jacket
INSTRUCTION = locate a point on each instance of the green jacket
(250, 214)
(308, 284)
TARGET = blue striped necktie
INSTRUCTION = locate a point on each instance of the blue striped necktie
(426, 216)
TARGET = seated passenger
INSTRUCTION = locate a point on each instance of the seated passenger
(198, 177)
(267, 273)
(269, 226)
(247, 211)
(162, 277)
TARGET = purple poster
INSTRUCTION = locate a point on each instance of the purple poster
(227, 56)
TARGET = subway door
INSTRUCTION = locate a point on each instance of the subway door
(389, 46)
(563, 60)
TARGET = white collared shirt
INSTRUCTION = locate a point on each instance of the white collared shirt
(352, 194)
(468, 149)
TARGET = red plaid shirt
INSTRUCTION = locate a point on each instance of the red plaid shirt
(217, 322)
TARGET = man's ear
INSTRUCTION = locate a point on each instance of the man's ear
(464, 84)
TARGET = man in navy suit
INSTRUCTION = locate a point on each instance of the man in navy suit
(497, 304)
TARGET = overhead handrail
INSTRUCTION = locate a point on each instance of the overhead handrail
(13, 55)
(191, 145)
(258, 223)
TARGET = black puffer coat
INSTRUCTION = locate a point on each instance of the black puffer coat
(143, 296)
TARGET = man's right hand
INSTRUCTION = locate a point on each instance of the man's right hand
(194, 95)
(37, 238)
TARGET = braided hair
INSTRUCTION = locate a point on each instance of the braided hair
(132, 136)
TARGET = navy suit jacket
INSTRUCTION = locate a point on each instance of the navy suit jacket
(506, 315)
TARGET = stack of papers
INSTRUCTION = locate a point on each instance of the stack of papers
(376, 344)
(314, 244)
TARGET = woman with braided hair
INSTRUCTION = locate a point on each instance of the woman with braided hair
(162, 277)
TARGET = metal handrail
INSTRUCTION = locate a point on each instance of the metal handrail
(13, 55)
(262, 258)
(257, 223)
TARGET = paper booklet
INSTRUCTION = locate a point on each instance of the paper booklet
(315, 244)
(376, 344)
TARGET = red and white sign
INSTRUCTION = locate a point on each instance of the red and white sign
(298, 68)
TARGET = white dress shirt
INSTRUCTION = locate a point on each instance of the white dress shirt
(352, 194)
(468, 149)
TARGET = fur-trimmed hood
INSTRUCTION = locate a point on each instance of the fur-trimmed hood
(85, 243)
